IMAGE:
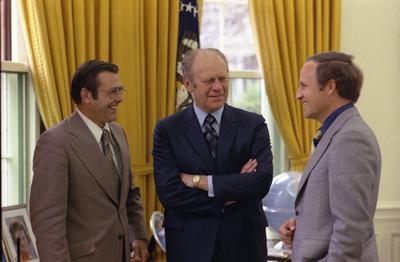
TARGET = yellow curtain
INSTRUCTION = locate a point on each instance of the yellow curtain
(287, 32)
(139, 36)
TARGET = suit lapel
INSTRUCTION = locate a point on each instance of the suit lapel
(323, 146)
(195, 136)
(88, 151)
(227, 132)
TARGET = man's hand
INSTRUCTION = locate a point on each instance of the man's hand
(286, 231)
(250, 166)
(187, 179)
(139, 248)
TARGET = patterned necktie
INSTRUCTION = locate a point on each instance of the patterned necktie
(211, 135)
(315, 140)
(108, 155)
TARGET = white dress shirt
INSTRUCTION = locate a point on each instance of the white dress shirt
(97, 133)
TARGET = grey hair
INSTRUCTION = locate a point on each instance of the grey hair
(190, 56)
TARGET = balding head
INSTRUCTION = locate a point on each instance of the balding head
(189, 60)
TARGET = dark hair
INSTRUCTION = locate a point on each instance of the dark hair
(339, 67)
(86, 76)
(16, 226)
(189, 57)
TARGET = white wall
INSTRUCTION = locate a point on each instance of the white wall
(371, 32)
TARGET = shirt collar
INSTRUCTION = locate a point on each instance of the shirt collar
(94, 129)
(328, 122)
(201, 115)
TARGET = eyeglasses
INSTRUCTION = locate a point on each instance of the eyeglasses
(116, 91)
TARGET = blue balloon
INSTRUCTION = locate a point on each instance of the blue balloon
(278, 205)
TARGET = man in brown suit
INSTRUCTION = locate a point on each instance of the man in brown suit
(83, 207)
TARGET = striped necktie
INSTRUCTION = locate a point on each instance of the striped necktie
(108, 155)
(211, 135)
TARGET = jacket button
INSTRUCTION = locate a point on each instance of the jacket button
(120, 236)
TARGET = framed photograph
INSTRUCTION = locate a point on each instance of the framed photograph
(16, 228)
(4, 252)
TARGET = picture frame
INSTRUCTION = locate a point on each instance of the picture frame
(4, 252)
(15, 225)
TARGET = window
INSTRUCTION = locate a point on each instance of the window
(226, 26)
(19, 118)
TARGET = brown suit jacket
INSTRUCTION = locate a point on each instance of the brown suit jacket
(74, 209)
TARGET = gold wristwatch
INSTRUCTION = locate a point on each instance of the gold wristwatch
(196, 180)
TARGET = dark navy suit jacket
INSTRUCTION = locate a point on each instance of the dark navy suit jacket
(193, 220)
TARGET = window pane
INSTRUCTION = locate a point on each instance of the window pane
(239, 44)
(226, 25)
(210, 30)
(13, 138)
(246, 94)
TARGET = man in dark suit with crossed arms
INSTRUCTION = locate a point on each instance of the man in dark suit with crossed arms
(212, 167)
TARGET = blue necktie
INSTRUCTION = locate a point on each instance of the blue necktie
(316, 138)
(211, 135)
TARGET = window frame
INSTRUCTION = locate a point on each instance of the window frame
(30, 132)
(28, 126)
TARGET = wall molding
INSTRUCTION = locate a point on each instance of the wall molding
(387, 212)
(387, 228)
(396, 246)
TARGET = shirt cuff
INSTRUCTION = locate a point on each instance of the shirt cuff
(210, 186)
